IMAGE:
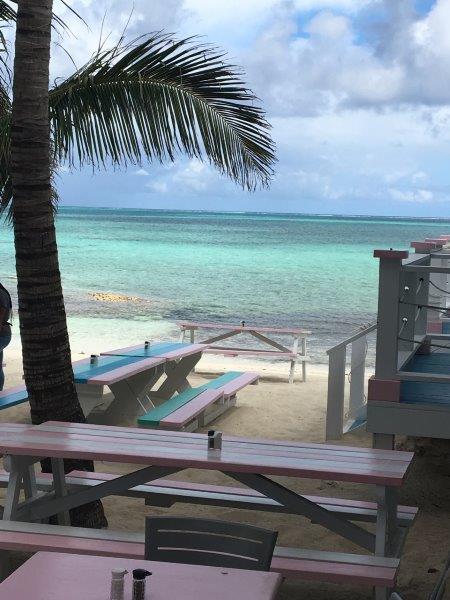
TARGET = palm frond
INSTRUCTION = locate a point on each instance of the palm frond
(156, 97)
(7, 13)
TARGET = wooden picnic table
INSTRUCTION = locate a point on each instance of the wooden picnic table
(251, 462)
(54, 576)
(131, 374)
(270, 348)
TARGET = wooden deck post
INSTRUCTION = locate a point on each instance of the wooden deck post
(336, 392)
(389, 324)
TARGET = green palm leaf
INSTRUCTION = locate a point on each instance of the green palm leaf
(155, 97)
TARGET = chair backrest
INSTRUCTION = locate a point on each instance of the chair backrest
(209, 542)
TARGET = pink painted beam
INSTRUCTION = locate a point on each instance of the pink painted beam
(434, 327)
(234, 327)
(232, 387)
(335, 572)
(437, 241)
(126, 371)
(394, 254)
(383, 390)
(102, 444)
(242, 352)
(51, 576)
(192, 409)
(425, 247)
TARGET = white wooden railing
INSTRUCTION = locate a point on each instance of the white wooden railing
(342, 416)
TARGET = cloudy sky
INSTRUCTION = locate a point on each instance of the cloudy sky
(357, 92)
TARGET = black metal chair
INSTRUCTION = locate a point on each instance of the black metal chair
(439, 588)
(209, 542)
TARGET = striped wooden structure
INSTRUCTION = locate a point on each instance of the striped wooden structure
(196, 407)
(130, 374)
(250, 462)
(270, 349)
(410, 392)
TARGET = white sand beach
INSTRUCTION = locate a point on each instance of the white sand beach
(275, 409)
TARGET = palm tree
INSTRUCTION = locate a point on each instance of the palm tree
(145, 100)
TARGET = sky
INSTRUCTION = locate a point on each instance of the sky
(357, 93)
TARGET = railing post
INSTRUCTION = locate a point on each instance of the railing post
(389, 323)
(388, 312)
(358, 368)
(336, 391)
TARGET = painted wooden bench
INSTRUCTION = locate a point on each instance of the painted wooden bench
(271, 348)
(167, 492)
(13, 396)
(305, 564)
(196, 407)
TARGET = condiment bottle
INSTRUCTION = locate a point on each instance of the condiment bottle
(117, 584)
(139, 576)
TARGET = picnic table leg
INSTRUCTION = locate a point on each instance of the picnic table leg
(293, 360)
(129, 396)
(177, 377)
(13, 466)
(304, 351)
(386, 528)
(59, 484)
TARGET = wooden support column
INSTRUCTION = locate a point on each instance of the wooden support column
(389, 323)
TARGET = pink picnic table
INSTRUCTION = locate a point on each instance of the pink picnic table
(156, 454)
(132, 375)
(53, 576)
(270, 348)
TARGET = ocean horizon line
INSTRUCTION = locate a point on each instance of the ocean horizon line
(255, 213)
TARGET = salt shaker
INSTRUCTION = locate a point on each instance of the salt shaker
(139, 576)
(214, 440)
(117, 584)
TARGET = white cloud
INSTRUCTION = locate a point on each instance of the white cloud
(141, 173)
(159, 187)
(420, 195)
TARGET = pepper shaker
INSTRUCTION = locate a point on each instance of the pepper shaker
(139, 576)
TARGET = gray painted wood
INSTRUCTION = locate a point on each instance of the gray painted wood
(208, 542)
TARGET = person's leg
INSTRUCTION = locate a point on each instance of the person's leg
(2, 375)
(4, 341)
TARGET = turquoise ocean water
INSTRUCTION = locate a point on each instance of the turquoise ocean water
(315, 272)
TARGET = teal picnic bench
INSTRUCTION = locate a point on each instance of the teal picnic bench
(197, 406)
(13, 396)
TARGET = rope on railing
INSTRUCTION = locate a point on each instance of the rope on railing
(430, 306)
(447, 293)
(428, 344)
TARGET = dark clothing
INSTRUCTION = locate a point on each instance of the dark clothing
(5, 330)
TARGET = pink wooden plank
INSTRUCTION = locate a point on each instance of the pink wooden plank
(190, 410)
(239, 352)
(232, 387)
(234, 327)
(182, 352)
(31, 442)
(12, 390)
(72, 577)
(172, 437)
(33, 542)
(351, 452)
(398, 254)
(335, 572)
(243, 449)
(127, 371)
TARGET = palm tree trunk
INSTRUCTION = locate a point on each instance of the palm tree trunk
(43, 328)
